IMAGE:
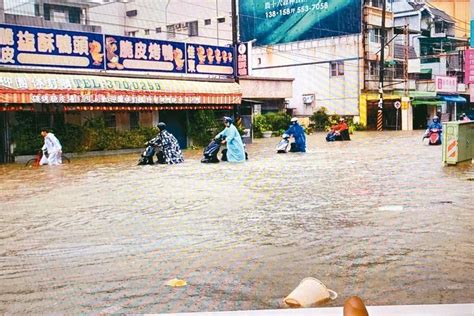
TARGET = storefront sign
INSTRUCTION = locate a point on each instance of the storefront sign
(283, 21)
(243, 59)
(471, 89)
(47, 88)
(38, 47)
(446, 84)
(131, 53)
(214, 60)
(469, 65)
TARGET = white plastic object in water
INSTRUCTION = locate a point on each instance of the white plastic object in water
(310, 292)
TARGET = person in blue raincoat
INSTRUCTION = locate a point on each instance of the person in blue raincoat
(434, 125)
(297, 131)
(235, 146)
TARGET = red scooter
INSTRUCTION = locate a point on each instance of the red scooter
(434, 136)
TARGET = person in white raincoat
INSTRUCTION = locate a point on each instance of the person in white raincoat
(52, 149)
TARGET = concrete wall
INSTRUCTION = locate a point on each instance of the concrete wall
(122, 120)
(40, 22)
(309, 63)
(153, 14)
(110, 16)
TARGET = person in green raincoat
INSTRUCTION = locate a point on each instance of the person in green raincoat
(235, 146)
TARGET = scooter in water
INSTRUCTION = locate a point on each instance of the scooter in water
(147, 155)
(434, 136)
(284, 145)
(211, 151)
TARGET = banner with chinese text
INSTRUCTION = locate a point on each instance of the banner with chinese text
(64, 89)
(282, 21)
(131, 53)
(40, 47)
(213, 60)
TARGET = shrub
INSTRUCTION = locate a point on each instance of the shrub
(278, 121)
(203, 126)
(260, 125)
(319, 120)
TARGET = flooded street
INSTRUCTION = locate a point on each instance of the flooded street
(378, 217)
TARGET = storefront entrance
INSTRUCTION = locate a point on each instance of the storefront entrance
(4, 138)
(176, 125)
(389, 114)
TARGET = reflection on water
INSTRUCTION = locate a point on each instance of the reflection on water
(378, 217)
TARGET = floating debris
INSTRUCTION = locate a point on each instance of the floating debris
(176, 283)
(391, 208)
(310, 292)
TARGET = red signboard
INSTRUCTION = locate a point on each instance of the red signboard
(469, 66)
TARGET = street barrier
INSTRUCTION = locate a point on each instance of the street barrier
(458, 142)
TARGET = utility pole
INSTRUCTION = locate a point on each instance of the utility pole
(237, 109)
(234, 23)
(381, 74)
(406, 55)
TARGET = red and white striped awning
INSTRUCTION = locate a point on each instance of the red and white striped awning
(35, 88)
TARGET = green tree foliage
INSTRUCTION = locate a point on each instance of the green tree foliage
(203, 126)
(94, 135)
(320, 120)
(277, 122)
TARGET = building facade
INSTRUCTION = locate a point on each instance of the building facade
(56, 61)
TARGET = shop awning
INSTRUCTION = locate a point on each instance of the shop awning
(36, 88)
(452, 98)
(427, 102)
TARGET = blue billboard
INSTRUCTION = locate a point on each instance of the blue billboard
(40, 47)
(208, 59)
(281, 21)
(140, 54)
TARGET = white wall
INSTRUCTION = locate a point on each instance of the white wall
(308, 63)
(110, 16)
(22, 7)
(153, 14)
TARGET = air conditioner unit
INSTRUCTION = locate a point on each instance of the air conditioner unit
(308, 99)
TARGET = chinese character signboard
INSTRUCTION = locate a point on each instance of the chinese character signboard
(205, 59)
(282, 21)
(446, 84)
(469, 66)
(38, 47)
(48, 88)
(130, 53)
(243, 59)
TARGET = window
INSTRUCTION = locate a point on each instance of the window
(192, 28)
(109, 119)
(170, 29)
(376, 3)
(207, 22)
(147, 32)
(337, 68)
(375, 35)
(132, 33)
(399, 70)
(134, 120)
(158, 30)
(220, 20)
(131, 13)
(374, 68)
(439, 27)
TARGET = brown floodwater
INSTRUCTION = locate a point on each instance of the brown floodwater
(379, 217)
